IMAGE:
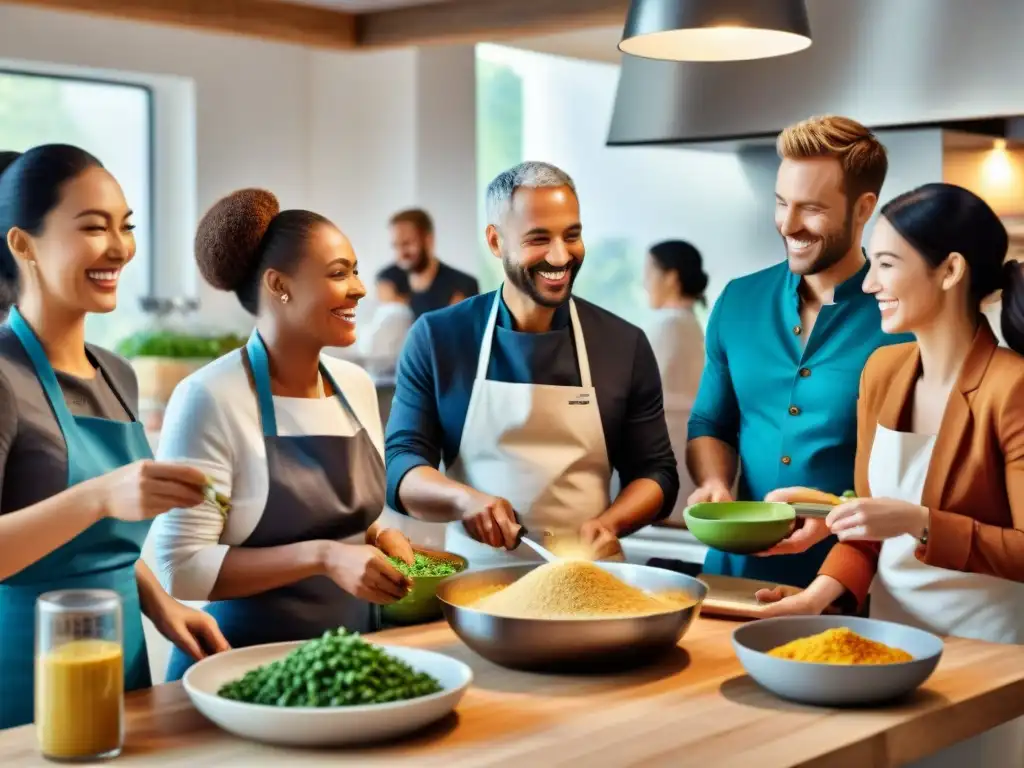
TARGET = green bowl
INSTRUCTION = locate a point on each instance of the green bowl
(421, 605)
(740, 527)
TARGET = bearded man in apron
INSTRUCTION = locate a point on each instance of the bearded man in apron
(529, 398)
(937, 534)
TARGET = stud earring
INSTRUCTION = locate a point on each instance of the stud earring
(284, 298)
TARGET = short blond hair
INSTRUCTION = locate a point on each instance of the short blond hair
(861, 155)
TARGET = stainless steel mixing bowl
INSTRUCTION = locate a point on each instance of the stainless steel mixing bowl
(574, 644)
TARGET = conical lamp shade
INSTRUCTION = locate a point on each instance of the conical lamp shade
(715, 30)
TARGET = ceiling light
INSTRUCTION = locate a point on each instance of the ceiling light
(715, 30)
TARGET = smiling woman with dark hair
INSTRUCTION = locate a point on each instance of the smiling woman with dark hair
(79, 489)
(290, 435)
(937, 530)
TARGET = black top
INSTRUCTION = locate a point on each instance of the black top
(33, 454)
(438, 366)
(447, 283)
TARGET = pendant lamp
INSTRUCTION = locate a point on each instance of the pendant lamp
(715, 30)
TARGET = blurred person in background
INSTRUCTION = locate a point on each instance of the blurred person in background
(433, 284)
(675, 282)
(381, 342)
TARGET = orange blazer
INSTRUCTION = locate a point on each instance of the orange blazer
(974, 489)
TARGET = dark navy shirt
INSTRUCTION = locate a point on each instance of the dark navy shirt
(447, 283)
(435, 376)
(788, 407)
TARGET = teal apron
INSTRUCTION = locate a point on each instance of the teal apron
(101, 557)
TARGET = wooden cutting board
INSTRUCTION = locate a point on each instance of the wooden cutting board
(730, 597)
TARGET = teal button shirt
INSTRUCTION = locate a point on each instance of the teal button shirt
(787, 403)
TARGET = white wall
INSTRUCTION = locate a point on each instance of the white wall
(721, 201)
(353, 136)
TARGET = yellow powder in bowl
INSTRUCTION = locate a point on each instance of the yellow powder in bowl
(839, 646)
(573, 589)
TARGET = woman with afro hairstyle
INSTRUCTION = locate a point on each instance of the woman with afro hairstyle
(290, 435)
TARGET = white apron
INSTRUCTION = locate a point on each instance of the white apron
(907, 591)
(539, 446)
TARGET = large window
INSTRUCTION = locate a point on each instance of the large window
(111, 121)
(542, 107)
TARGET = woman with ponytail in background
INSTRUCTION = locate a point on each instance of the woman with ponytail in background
(78, 489)
(936, 533)
(675, 281)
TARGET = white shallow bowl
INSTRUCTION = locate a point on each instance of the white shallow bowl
(835, 685)
(322, 726)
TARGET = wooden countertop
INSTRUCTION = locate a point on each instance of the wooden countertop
(697, 707)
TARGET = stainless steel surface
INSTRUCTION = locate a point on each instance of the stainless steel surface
(547, 554)
(577, 644)
(819, 511)
(835, 685)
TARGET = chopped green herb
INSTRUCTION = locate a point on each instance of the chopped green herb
(424, 566)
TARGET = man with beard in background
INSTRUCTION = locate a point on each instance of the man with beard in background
(530, 398)
(433, 283)
(785, 346)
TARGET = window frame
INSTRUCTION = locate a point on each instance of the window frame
(150, 141)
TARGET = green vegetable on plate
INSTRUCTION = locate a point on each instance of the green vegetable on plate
(338, 669)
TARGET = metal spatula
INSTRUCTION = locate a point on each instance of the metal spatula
(819, 511)
(547, 554)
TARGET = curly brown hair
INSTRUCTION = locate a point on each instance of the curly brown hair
(246, 233)
(228, 239)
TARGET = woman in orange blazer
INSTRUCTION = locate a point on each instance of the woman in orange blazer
(937, 531)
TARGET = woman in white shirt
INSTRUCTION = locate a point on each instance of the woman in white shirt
(290, 435)
(675, 282)
(381, 343)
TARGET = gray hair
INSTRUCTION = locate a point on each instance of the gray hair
(532, 175)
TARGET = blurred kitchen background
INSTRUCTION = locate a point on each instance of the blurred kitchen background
(185, 103)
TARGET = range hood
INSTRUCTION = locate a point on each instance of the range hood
(942, 63)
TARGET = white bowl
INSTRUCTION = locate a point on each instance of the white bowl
(322, 726)
(835, 685)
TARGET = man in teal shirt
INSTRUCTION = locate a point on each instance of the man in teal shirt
(786, 345)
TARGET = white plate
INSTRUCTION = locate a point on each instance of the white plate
(322, 726)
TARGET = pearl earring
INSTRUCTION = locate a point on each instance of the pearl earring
(284, 298)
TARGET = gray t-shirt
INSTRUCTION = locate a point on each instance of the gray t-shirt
(33, 455)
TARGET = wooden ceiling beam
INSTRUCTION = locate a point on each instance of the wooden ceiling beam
(281, 22)
(472, 21)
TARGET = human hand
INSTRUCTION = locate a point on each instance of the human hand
(713, 491)
(144, 489)
(814, 600)
(601, 541)
(194, 632)
(364, 572)
(393, 543)
(775, 602)
(809, 530)
(877, 520)
(490, 519)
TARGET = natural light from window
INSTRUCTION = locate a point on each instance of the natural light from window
(111, 121)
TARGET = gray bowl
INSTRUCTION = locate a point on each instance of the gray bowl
(835, 685)
(576, 644)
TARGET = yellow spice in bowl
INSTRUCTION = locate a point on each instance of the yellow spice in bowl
(839, 646)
